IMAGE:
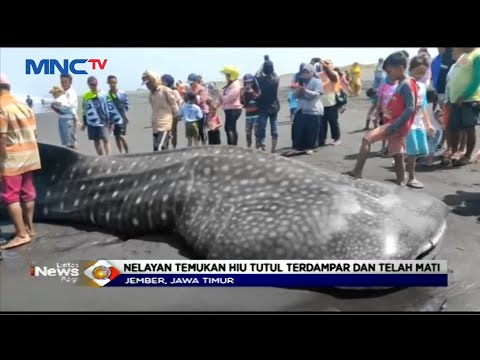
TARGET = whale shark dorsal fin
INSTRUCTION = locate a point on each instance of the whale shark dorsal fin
(50, 154)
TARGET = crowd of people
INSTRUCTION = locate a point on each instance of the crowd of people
(417, 104)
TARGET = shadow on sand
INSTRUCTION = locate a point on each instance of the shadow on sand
(355, 156)
(464, 203)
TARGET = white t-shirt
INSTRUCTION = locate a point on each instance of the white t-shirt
(421, 105)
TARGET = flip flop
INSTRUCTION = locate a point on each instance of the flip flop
(462, 162)
(415, 184)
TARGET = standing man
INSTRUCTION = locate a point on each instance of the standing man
(19, 157)
(463, 98)
(164, 109)
(118, 107)
(29, 101)
(268, 106)
(96, 117)
(331, 86)
(68, 120)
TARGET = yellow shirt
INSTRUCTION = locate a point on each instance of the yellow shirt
(18, 123)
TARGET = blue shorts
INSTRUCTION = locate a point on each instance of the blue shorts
(417, 144)
(67, 129)
(434, 141)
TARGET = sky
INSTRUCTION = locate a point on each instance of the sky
(128, 64)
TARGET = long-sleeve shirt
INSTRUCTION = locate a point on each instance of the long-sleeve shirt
(71, 102)
(310, 101)
(230, 96)
(96, 109)
(118, 106)
(164, 108)
(400, 111)
(203, 97)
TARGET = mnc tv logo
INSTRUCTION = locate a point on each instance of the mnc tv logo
(101, 272)
(49, 66)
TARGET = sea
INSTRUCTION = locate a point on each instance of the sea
(37, 108)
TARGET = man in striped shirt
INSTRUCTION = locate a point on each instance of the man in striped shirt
(19, 157)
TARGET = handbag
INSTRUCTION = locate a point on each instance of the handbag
(341, 98)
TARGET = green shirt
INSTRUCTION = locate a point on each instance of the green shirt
(465, 79)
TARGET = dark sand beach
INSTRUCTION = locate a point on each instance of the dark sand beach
(459, 188)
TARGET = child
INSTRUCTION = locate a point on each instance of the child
(292, 101)
(435, 114)
(417, 144)
(372, 96)
(214, 124)
(398, 118)
(192, 114)
(248, 96)
(384, 94)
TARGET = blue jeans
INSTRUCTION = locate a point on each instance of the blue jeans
(261, 127)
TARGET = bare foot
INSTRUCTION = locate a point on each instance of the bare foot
(353, 174)
(16, 242)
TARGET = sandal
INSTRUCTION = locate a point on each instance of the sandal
(461, 162)
(415, 184)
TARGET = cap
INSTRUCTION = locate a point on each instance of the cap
(168, 79)
(192, 78)
(3, 79)
(92, 80)
(308, 68)
(248, 78)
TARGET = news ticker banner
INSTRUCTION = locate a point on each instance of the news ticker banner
(237, 273)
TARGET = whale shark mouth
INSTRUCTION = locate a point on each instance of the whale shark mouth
(430, 249)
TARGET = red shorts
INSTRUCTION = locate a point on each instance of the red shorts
(18, 188)
(396, 143)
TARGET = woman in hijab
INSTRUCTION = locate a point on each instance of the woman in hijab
(356, 82)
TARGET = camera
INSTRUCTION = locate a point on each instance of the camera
(301, 82)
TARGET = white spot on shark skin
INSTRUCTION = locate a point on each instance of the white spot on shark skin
(126, 197)
(62, 205)
(92, 217)
(101, 184)
(145, 188)
(163, 216)
(391, 241)
(82, 187)
(107, 216)
(96, 196)
(135, 183)
(225, 168)
(168, 159)
(133, 164)
(244, 182)
(115, 193)
(139, 199)
(89, 171)
(53, 177)
(75, 203)
(249, 167)
(165, 198)
(135, 222)
(96, 159)
(284, 183)
(65, 190)
(261, 180)
(206, 171)
(121, 181)
(45, 211)
(154, 177)
(48, 194)
(155, 192)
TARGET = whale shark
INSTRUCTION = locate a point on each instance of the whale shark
(234, 203)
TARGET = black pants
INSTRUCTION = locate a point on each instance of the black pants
(231, 117)
(214, 137)
(304, 131)
(201, 130)
(158, 139)
(330, 116)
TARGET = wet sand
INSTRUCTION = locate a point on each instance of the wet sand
(460, 188)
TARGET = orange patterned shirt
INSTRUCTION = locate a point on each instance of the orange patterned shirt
(17, 127)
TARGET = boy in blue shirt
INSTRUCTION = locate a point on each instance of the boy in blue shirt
(192, 115)
(292, 100)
